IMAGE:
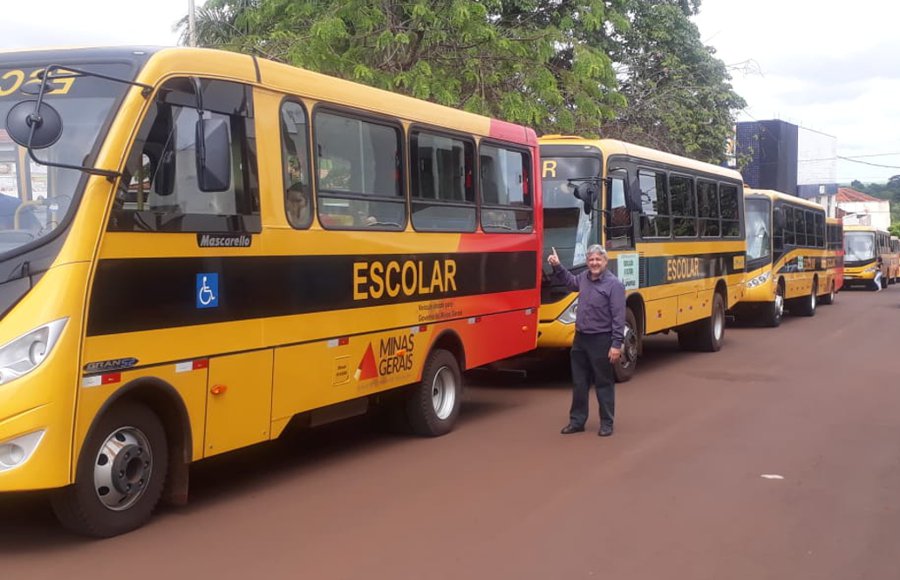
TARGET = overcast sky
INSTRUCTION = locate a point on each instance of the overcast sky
(829, 66)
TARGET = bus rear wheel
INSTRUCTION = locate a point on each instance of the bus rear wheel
(120, 475)
(829, 298)
(631, 347)
(806, 306)
(706, 335)
(433, 406)
(774, 311)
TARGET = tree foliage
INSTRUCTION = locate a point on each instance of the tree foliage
(634, 69)
(679, 95)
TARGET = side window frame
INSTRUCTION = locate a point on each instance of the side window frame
(357, 202)
(650, 222)
(172, 171)
(500, 218)
(299, 207)
(464, 207)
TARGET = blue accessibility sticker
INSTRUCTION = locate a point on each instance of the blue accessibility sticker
(207, 290)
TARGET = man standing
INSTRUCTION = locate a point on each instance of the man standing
(599, 330)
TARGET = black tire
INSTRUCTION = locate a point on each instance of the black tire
(433, 405)
(117, 453)
(631, 348)
(774, 311)
(807, 306)
(708, 334)
(830, 297)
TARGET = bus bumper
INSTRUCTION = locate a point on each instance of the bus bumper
(34, 455)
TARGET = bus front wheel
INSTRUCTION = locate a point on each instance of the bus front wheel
(120, 474)
(433, 405)
(631, 346)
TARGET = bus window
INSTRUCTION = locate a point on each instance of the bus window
(729, 203)
(295, 165)
(163, 166)
(655, 220)
(820, 229)
(443, 193)
(757, 226)
(618, 221)
(684, 206)
(359, 174)
(708, 202)
(505, 190)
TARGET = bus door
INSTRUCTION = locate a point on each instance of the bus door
(181, 285)
(619, 229)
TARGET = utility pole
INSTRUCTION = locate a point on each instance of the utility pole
(192, 27)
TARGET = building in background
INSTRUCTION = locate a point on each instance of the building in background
(788, 158)
(858, 208)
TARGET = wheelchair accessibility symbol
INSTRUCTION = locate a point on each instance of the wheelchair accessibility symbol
(207, 290)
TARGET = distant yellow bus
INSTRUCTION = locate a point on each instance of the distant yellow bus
(894, 268)
(867, 251)
(199, 247)
(674, 230)
(789, 260)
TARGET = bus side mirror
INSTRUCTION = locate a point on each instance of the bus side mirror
(213, 155)
(586, 193)
(32, 126)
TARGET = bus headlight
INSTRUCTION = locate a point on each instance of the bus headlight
(568, 315)
(870, 270)
(22, 355)
(758, 280)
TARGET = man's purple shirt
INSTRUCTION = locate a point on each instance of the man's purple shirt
(601, 302)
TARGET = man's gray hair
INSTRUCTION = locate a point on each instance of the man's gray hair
(596, 249)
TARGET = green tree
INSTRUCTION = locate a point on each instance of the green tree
(634, 69)
(679, 94)
(526, 61)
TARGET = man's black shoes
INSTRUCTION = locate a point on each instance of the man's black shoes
(569, 429)
(605, 430)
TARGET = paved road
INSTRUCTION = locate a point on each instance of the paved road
(676, 493)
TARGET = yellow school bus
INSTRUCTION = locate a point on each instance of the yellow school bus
(199, 248)
(790, 262)
(867, 253)
(894, 268)
(673, 228)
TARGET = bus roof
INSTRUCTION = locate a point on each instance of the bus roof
(615, 147)
(863, 228)
(159, 62)
(777, 195)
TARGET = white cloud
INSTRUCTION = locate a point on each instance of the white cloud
(826, 66)
(49, 23)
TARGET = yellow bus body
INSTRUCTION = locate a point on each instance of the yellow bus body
(227, 384)
(861, 273)
(681, 293)
(793, 273)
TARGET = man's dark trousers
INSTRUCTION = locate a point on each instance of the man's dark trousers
(590, 365)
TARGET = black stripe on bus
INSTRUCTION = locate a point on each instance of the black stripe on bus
(137, 294)
(808, 264)
(662, 270)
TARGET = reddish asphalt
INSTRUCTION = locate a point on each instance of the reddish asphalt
(676, 493)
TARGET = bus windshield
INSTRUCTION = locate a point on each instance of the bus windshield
(35, 198)
(758, 229)
(566, 227)
(859, 246)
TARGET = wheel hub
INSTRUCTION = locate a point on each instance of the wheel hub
(122, 469)
(443, 393)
